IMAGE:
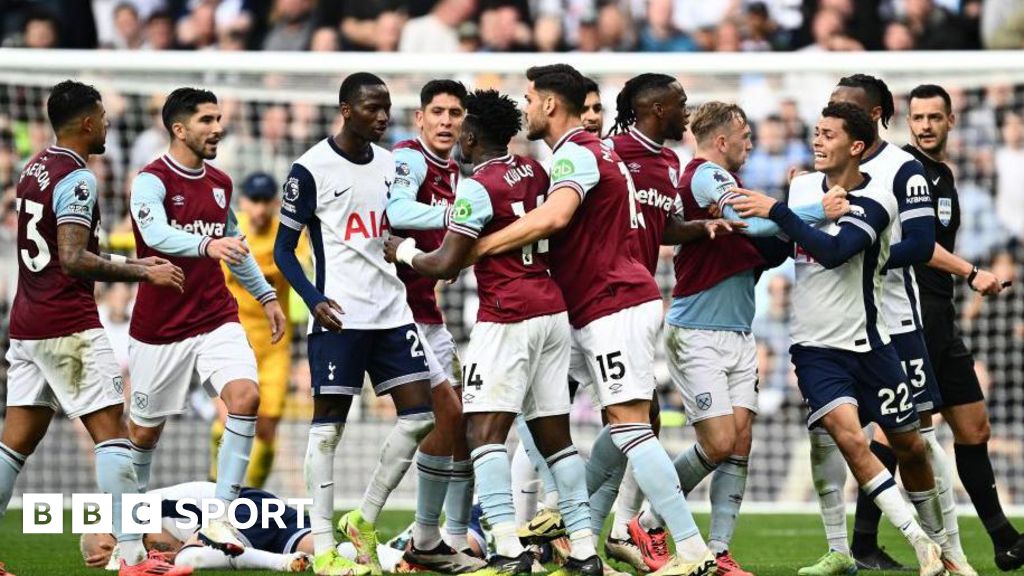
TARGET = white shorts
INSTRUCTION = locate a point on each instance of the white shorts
(161, 373)
(714, 370)
(442, 355)
(77, 372)
(519, 367)
(615, 354)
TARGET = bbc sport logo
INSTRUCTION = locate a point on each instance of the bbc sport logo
(141, 513)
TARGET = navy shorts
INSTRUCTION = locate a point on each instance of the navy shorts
(873, 381)
(338, 362)
(913, 353)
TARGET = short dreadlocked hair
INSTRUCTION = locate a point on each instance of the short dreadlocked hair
(878, 93)
(635, 88)
(495, 117)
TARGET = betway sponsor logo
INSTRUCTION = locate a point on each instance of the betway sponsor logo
(201, 227)
(652, 197)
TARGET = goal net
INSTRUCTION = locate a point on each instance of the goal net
(275, 106)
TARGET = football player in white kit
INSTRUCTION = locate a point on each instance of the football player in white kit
(337, 190)
(847, 369)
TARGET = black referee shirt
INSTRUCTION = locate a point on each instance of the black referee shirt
(935, 285)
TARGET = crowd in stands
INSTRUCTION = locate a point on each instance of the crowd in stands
(448, 26)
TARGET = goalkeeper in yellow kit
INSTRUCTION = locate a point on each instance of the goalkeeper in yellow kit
(257, 220)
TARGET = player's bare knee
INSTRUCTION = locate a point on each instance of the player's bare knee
(242, 398)
(910, 448)
(718, 447)
(144, 436)
(483, 429)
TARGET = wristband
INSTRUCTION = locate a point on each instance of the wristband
(407, 250)
(971, 277)
(118, 259)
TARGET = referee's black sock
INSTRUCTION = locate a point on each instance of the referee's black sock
(975, 469)
(865, 524)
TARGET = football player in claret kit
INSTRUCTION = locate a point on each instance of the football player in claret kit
(181, 210)
(846, 366)
(59, 356)
(518, 356)
(337, 190)
(614, 305)
(418, 207)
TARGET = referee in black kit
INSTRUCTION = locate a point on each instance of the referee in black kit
(930, 118)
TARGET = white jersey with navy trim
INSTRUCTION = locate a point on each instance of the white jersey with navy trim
(342, 202)
(838, 307)
(897, 170)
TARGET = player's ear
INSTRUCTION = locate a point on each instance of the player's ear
(857, 148)
(549, 104)
(419, 118)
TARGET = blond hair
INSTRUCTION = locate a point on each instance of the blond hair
(713, 116)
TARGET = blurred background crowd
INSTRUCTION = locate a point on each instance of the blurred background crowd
(514, 25)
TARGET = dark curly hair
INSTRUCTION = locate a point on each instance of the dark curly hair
(493, 116)
(70, 100)
(856, 122)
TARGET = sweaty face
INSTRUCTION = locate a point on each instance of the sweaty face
(593, 114)
(929, 123)
(440, 122)
(832, 145)
(536, 119)
(737, 144)
(676, 117)
(369, 113)
(203, 131)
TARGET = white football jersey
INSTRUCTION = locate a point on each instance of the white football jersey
(341, 202)
(897, 170)
(838, 308)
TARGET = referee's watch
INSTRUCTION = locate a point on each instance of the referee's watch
(972, 276)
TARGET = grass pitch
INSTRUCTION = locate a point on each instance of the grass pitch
(765, 544)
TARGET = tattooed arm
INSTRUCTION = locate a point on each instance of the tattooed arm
(76, 260)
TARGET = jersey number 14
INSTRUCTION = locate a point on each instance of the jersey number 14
(541, 247)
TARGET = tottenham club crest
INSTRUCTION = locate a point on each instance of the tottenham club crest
(704, 401)
(945, 211)
(220, 197)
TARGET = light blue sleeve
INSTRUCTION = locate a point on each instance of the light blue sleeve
(74, 198)
(147, 207)
(575, 167)
(248, 272)
(472, 209)
(403, 211)
(711, 184)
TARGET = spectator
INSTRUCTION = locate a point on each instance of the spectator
(827, 24)
(469, 37)
(502, 29)
(773, 155)
(934, 27)
(159, 32)
(198, 30)
(980, 233)
(1010, 168)
(367, 25)
(324, 39)
(151, 142)
(436, 31)
(996, 15)
(660, 34)
(40, 30)
(293, 26)
(128, 33)
(898, 37)
(796, 128)
(763, 33)
(728, 37)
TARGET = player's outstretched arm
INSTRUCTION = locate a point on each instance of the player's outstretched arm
(678, 231)
(983, 281)
(403, 210)
(541, 222)
(76, 260)
(856, 233)
(917, 218)
(445, 263)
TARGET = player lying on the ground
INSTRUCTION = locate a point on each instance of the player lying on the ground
(282, 548)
